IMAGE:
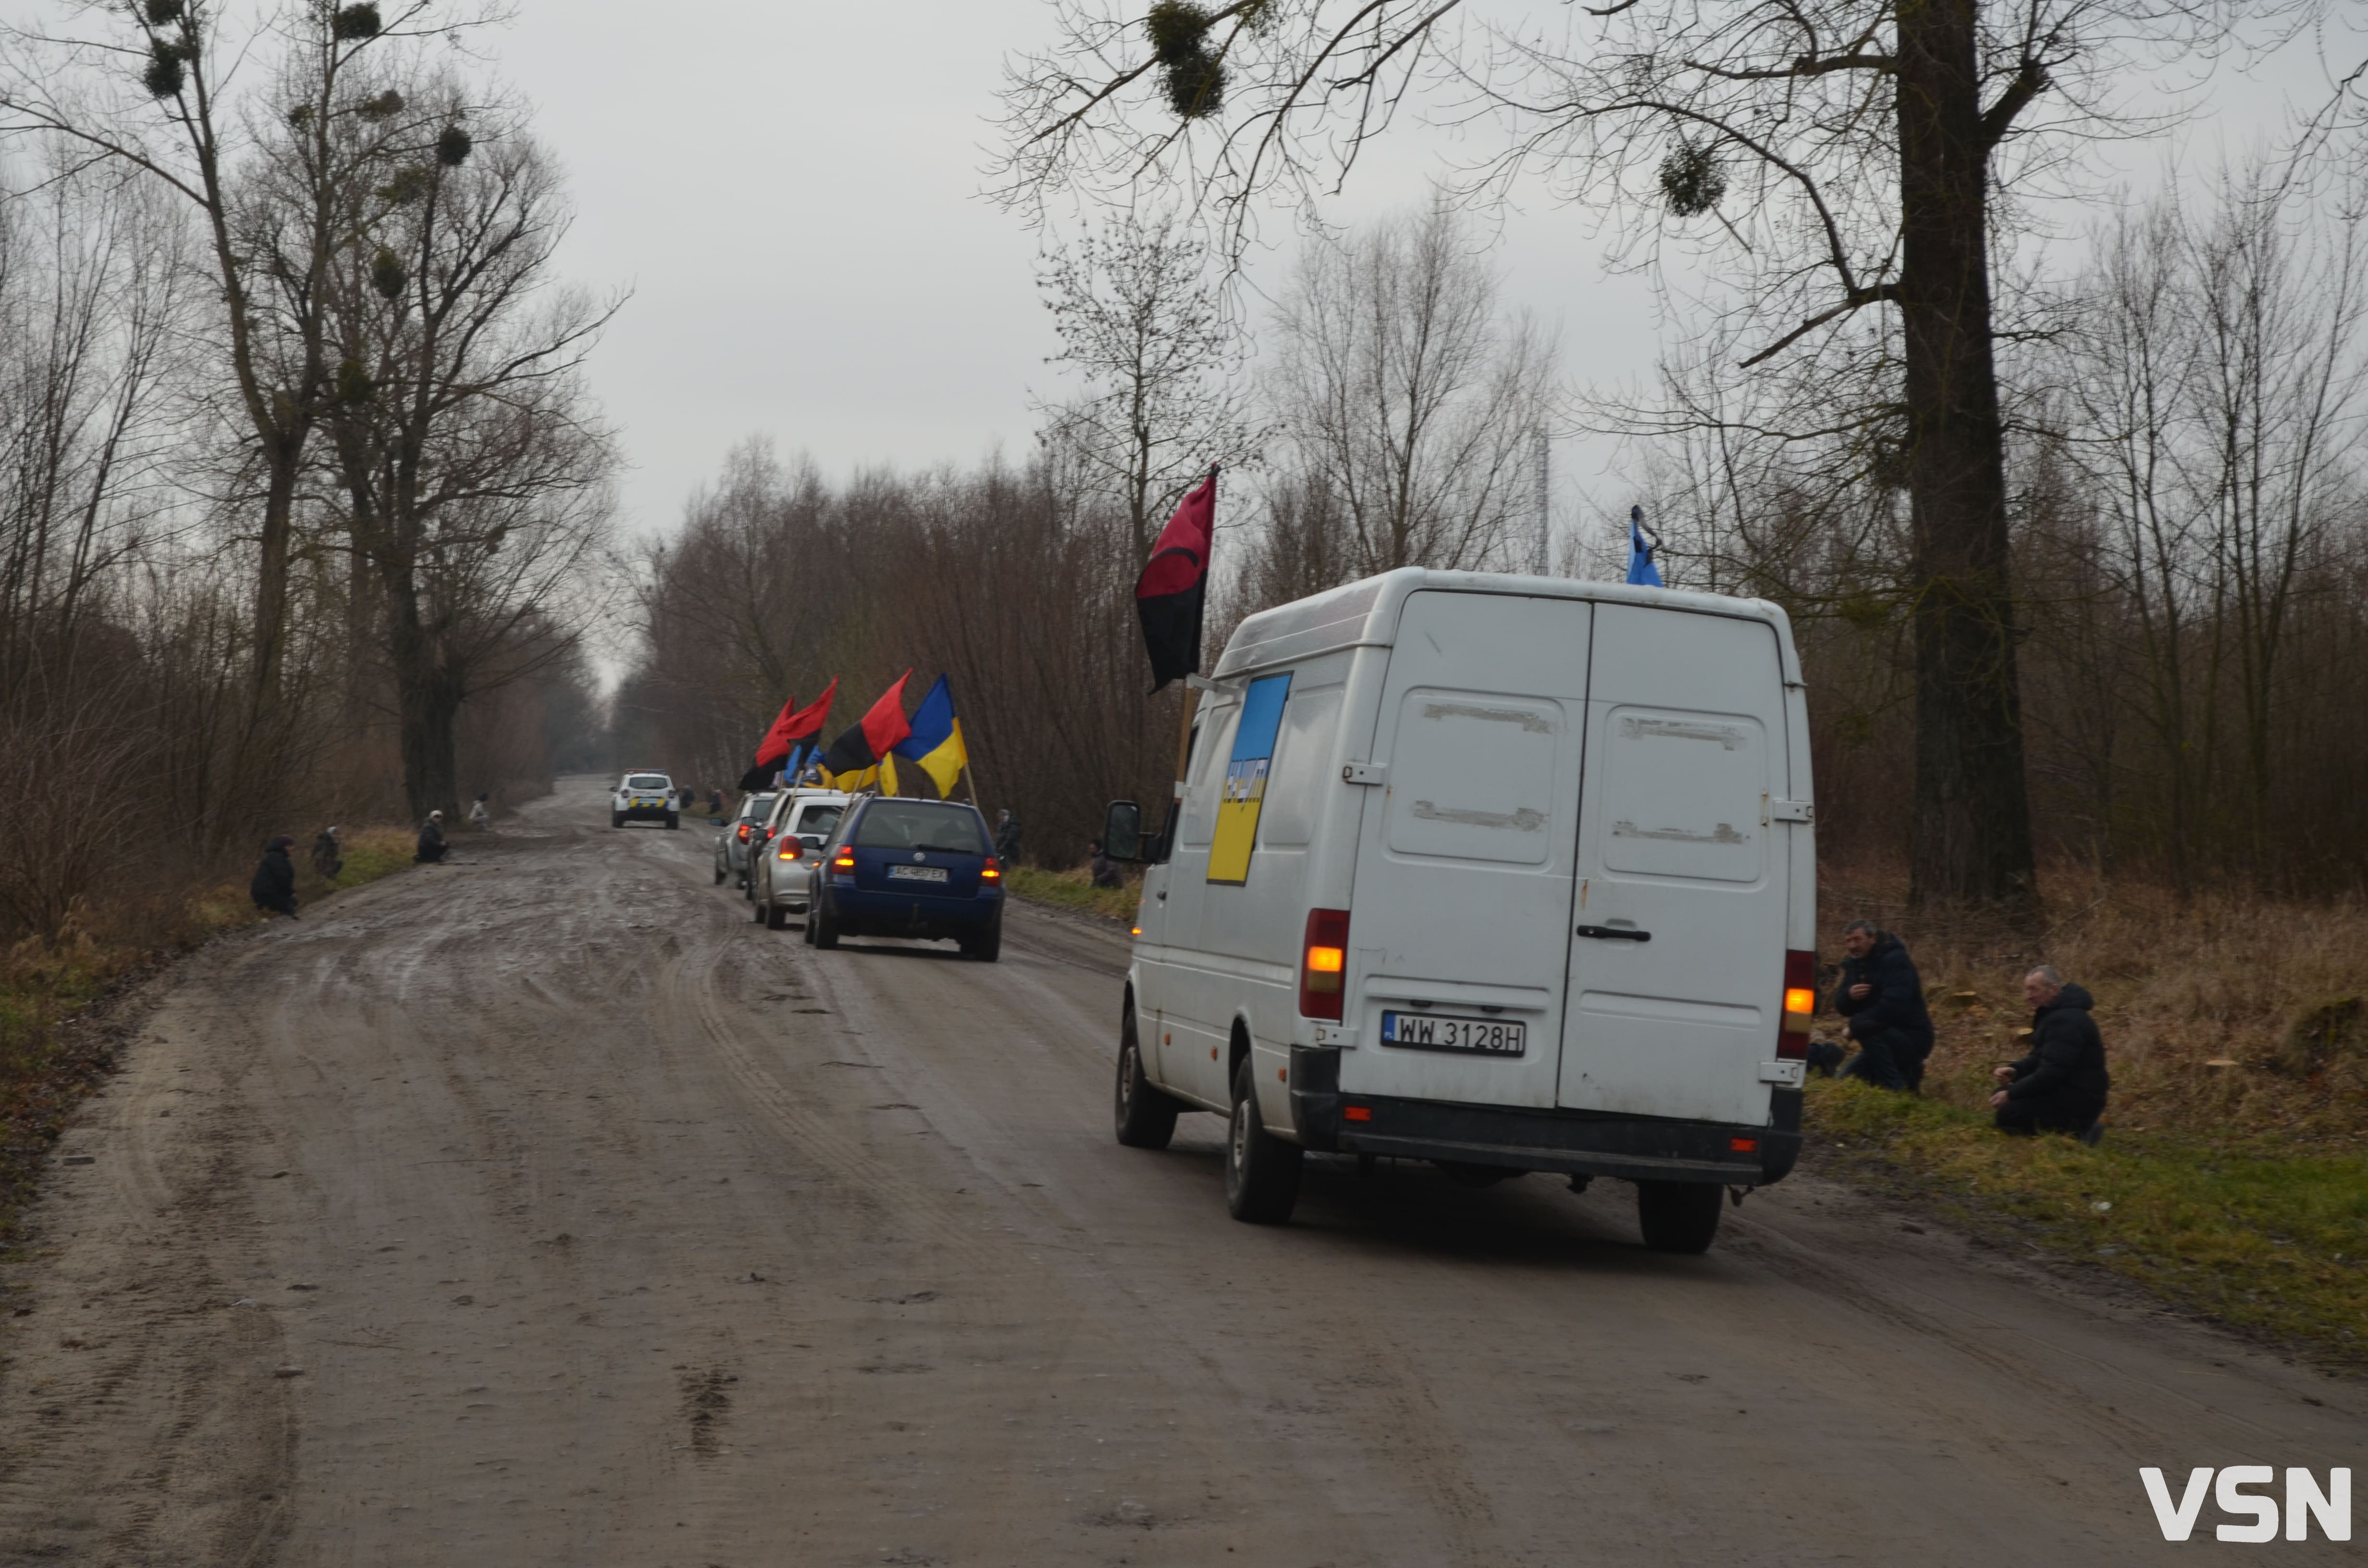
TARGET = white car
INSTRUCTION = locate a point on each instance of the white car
(782, 853)
(643, 796)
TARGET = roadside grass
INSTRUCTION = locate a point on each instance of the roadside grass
(2231, 1014)
(2250, 1229)
(1073, 889)
(47, 1065)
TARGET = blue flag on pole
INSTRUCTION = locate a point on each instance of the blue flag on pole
(1640, 554)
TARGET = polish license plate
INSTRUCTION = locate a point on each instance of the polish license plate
(917, 873)
(1439, 1031)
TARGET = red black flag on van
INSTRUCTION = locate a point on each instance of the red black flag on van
(854, 758)
(1174, 585)
(780, 742)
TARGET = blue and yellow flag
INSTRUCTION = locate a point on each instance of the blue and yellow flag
(1245, 771)
(935, 744)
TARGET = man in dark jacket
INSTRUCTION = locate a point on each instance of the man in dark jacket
(2060, 1085)
(274, 888)
(1883, 997)
(431, 840)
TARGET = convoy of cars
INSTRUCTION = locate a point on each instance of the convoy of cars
(1506, 874)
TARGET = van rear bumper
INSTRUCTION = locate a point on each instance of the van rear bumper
(1633, 1148)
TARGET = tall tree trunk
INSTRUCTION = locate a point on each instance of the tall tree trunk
(430, 772)
(1972, 835)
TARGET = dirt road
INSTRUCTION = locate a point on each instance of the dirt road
(541, 1209)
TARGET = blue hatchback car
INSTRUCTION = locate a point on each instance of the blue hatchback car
(900, 868)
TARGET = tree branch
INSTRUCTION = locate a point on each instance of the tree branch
(1807, 65)
(2028, 84)
(1857, 300)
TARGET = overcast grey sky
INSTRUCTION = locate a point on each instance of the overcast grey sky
(791, 191)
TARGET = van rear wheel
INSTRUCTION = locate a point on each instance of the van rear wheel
(1261, 1170)
(1145, 1114)
(1678, 1216)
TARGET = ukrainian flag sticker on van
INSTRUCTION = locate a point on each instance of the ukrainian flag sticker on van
(1245, 775)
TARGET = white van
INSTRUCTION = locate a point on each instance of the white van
(1506, 873)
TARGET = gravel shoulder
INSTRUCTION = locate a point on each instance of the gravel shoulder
(543, 1209)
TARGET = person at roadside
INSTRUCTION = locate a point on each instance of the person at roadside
(431, 840)
(1104, 868)
(328, 853)
(1007, 836)
(274, 888)
(715, 803)
(2060, 1085)
(1883, 997)
(480, 817)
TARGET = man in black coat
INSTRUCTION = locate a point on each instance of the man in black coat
(431, 840)
(2060, 1087)
(1883, 997)
(274, 888)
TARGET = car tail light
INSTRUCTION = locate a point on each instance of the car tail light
(845, 859)
(744, 833)
(1800, 1007)
(1324, 964)
(990, 872)
(791, 850)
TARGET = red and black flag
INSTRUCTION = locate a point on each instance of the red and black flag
(782, 742)
(1174, 585)
(853, 760)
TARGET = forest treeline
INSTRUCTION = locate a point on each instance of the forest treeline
(2189, 532)
(2189, 512)
(302, 495)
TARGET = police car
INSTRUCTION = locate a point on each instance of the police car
(643, 796)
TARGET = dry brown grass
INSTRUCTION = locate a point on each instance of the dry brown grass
(2229, 980)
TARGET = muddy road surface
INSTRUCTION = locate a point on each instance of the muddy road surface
(541, 1209)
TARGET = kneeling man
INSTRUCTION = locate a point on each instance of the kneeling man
(2060, 1085)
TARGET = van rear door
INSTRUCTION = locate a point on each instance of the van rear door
(1464, 882)
(1676, 964)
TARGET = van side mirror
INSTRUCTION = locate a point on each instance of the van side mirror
(1122, 830)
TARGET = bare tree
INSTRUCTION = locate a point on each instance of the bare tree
(1405, 401)
(150, 85)
(1144, 324)
(1842, 155)
(474, 470)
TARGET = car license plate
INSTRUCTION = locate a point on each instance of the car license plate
(917, 873)
(1436, 1031)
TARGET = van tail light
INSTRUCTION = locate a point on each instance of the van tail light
(845, 859)
(1800, 1007)
(990, 872)
(1324, 964)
